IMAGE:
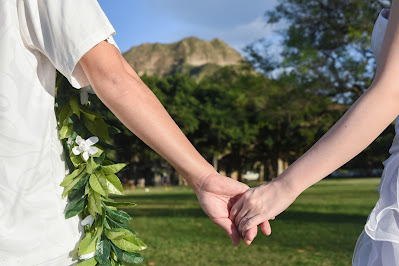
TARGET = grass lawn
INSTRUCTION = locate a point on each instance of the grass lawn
(320, 228)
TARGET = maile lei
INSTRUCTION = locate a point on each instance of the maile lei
(108, 239)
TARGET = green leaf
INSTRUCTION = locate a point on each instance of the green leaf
(81, 182)
(118, 203)
(76, 160)
(65, 131)
(65, 113)
(88, 115)
(103, 181)
(69, 178)
(118, 215)
(114, 234)
(76, 194)
(101, 128)
(129, 242)
(99, 156)
(95, 184)
(94, 203)
(113, 168)
(117, 252)
(70, 186)
(89, 262)
(74, 207)
(114, 185)
(103, 250)
(75, 106)
(87, 245)
(114, 130)
(132, 257)
(91, 165)
(116, 224)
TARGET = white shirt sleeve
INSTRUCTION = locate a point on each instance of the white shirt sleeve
(64, 30)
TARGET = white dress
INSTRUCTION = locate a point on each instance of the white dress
(378, 244)
(36, 38)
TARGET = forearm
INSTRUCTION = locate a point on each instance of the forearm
(361, 124)
(134, 104)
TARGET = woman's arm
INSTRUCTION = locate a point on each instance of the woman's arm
(360, 125)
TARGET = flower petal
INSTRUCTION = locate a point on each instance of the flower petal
(84, 97)
(88, 220)
(87, 256)
(92, 140)
(79, 140)
(93, 150)
(76, 150)
(85, 155)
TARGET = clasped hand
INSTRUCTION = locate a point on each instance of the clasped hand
(259, 205)
(239, 210)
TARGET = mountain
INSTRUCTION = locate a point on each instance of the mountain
(191, 55)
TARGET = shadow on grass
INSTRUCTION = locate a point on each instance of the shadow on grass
(288, 216)
(157, 197)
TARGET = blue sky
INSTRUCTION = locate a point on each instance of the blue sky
(237, 22)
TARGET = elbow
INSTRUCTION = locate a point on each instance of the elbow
(112, 86)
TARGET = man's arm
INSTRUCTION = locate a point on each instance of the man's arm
(122, 91)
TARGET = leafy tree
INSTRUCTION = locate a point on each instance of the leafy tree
(325, 52)
(327, 43)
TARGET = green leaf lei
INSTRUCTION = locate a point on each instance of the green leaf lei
(108, 239)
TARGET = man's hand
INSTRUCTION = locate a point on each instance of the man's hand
(217, 195)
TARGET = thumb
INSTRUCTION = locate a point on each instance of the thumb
(228, 226)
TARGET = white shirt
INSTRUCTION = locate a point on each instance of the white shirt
(36, 38)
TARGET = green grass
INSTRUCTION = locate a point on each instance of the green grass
(320, 228)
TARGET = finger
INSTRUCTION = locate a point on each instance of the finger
(266, 229)
(229, 227)
(241, 219)
(244, 220)
(253, 221)
(236, 209)
(250, 235)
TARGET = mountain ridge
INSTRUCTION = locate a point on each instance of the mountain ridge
(190, 55)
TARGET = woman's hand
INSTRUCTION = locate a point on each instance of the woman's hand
(259, 205)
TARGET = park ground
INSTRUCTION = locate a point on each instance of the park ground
(320, 228)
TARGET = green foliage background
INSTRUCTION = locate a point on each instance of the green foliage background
(241, 119)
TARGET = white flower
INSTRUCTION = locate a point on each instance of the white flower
(88, 220)
(85, 146)
(84, 94)
(87, 256)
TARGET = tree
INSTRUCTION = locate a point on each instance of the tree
(326, 53)
(327, 43)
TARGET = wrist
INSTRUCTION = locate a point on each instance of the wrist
(197, 179)
(287, 184)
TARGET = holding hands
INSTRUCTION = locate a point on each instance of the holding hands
(259, 205)
(217, 195)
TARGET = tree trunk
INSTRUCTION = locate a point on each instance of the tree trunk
(234, 175)
(182, 181)
(281, 165)
(148, 176)
(262, 173)
(215, 161)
